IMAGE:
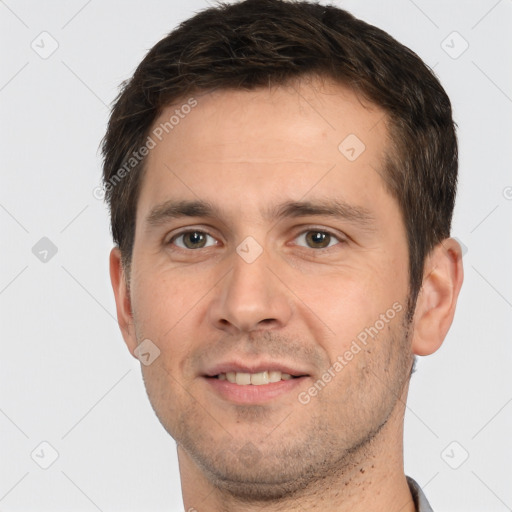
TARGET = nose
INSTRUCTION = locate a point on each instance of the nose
(251, 297)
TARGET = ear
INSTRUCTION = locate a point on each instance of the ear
(123, 303)
(435, 306)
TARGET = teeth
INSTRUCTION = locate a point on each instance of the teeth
(274, 376)
(256, 379)
(259, 378)
(243, 378)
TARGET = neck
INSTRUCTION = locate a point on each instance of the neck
(373, 479)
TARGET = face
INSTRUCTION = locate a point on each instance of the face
(269, 255)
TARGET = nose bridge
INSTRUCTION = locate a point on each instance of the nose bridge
(250, 297)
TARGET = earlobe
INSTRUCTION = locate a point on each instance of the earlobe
(122, 297)
(435, 306)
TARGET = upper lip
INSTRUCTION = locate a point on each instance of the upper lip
(253, 367)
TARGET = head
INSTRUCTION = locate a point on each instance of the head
(245, 123)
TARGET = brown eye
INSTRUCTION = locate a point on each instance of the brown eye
(317, 239)
(193, 240)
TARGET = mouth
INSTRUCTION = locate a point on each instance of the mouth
(240, 384)
(255, 379)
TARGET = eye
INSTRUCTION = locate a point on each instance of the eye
(193, 240)
(318, 239)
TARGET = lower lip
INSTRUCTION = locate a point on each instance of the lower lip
(251, 394)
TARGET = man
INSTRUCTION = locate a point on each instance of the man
(281, 179)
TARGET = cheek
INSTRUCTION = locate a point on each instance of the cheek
(161, 298)
(354, 309)
(351, 299)
(169, 309)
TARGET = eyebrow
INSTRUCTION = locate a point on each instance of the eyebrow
(176, 209)
(338, 209)
(328, 208)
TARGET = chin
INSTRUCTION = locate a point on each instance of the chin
(263, 481)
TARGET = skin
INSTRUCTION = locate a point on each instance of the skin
(244, 152)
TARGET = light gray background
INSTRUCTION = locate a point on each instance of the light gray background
(66, 376)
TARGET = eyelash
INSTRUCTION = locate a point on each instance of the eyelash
(341, 240)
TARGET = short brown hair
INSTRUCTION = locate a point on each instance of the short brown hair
(256, 43)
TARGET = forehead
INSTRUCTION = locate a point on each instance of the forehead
(279, 140)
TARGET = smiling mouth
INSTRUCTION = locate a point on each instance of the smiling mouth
(255, 379)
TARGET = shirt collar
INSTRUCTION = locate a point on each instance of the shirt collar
(422, 505)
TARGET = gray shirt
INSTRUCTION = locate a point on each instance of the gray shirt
(420, 501)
